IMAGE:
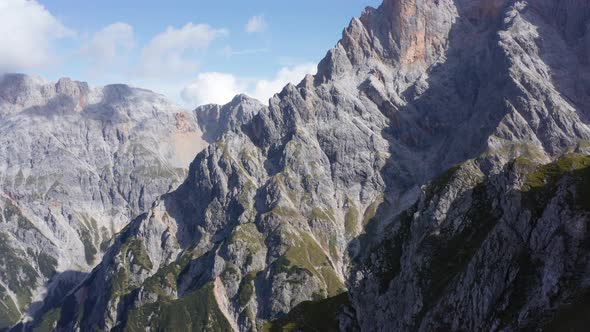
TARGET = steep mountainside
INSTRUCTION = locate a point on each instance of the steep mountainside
(288, 207)
(476, 253)
(75, 165)
(496, 245)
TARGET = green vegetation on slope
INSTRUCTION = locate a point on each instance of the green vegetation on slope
(132, 252)
(49, 321)
(541, 184)
(246, 290)
(88, 231)
(351, 221)
(165, 280)
(311, 316)
(196, 311)
(139, 255)
(548, 174)
(306, 256)
(9, 313)
(16, 271)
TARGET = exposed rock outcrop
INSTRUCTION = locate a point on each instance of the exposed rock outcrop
(76, 163)
(215, 120)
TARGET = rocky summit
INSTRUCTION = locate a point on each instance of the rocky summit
(432, 176)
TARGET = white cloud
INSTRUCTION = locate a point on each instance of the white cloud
(27, 33)
(173, 52)
(216, 88)
(256, 24)
(110, 43)
(220, 88)
(267, 88)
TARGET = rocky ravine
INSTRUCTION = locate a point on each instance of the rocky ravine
(76, 163)
(327, 189)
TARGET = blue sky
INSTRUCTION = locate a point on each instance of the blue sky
(194, 51)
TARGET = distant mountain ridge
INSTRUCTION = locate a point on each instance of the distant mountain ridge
(76, 163)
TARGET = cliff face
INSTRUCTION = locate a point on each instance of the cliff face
(323, 190)
(484, 253)
(76, 163)
(215, 120)
(493, 244)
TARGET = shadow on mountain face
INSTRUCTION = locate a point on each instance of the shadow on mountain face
(564, 46)
(436, 125)
(467, 98)
(471, 90)
(58, 287)
(57, 106)
(491, 233)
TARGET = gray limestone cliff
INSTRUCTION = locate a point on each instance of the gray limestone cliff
(76, 164)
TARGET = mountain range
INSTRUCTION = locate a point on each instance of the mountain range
(433, 175)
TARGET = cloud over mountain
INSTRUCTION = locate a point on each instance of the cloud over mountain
(29, 31)
(173, 52)
(110, 43)
(219, 88)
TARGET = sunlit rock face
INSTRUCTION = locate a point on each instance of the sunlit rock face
(408, 172)
(215, 120)
(76, 163)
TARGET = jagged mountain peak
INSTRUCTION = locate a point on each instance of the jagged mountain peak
(69, 87)
(114, 102)
(240, 97)
(215, 120)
